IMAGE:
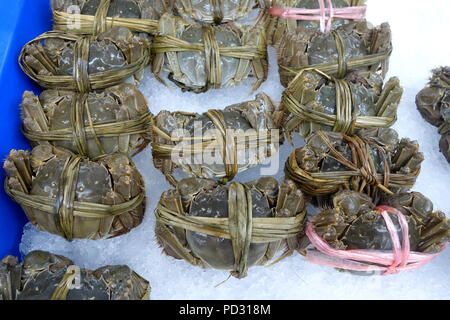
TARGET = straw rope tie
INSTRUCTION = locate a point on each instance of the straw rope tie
(79, 103)
(100, 17)
(227, 144)
(66, 283)
(80, 64)
(342, 63)
(345, 116)
(63, 205)
(212, 56)
(240, 226)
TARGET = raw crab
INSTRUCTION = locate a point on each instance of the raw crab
(354, 46)
(315, 101)
(220, 149)
(102, 61)
(217, 11)
(96, 16)
(373, 159)
(114, 120)
(433, 103)
(200, 57)
(74, 197)
(46, 276)
(211, 225)
(353, 223)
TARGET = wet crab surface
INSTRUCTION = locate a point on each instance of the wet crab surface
(41, 272)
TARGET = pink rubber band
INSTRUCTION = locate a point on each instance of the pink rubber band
(399, 259)
(349, 13)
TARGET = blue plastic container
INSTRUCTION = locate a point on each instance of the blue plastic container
(20, 22)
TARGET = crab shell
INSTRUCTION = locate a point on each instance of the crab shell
(108, 53)
(111, 180)
(372, 103)
(259, 115)
(214, 11)
(190, 69)
(320, 172)
(353, 222)
(204, 198)
(302, 49)
(52, 111)
(39, 275)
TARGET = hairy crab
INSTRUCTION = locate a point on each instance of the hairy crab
(370, 161)
(115, 120)
(353, 46)
(218, 11)
(354, 223)
(433, 103)
(74, 197)
(230, 227)
(315, 101)
(218, 143)
(47, 276)
(97, 16)
(102, 61)
(200, 56)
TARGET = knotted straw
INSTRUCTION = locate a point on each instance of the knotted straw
(348, 13)
(361, 171)
(80, 134)
(80, 80)
(164, 43)
(240, 227)
(224, 140)
(343, 65)
(88, 24)
(65, 206)
(400, 259)
(345, 120)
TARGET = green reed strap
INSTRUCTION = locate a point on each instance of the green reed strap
(342, 63)
(80, 64)
(100, 16)
(63, 206)
(345, 115)
(240, 226)
(212, 56)
(227, 145)
(65, 284)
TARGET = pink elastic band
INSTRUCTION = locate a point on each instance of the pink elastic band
(349, 13)
(400, 259)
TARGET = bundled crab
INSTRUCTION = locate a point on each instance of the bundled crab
(401, 233)
(200, 56)
(353, 45)
(433, 103)
(230, 227)
(370, 161)
(74, 197)
(97, 16)
(315, 101)
(115, 120)
(217, 144)
(47, 276)
(64, 61)
(219, 11)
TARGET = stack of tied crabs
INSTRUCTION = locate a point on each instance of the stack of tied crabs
(79, 180)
